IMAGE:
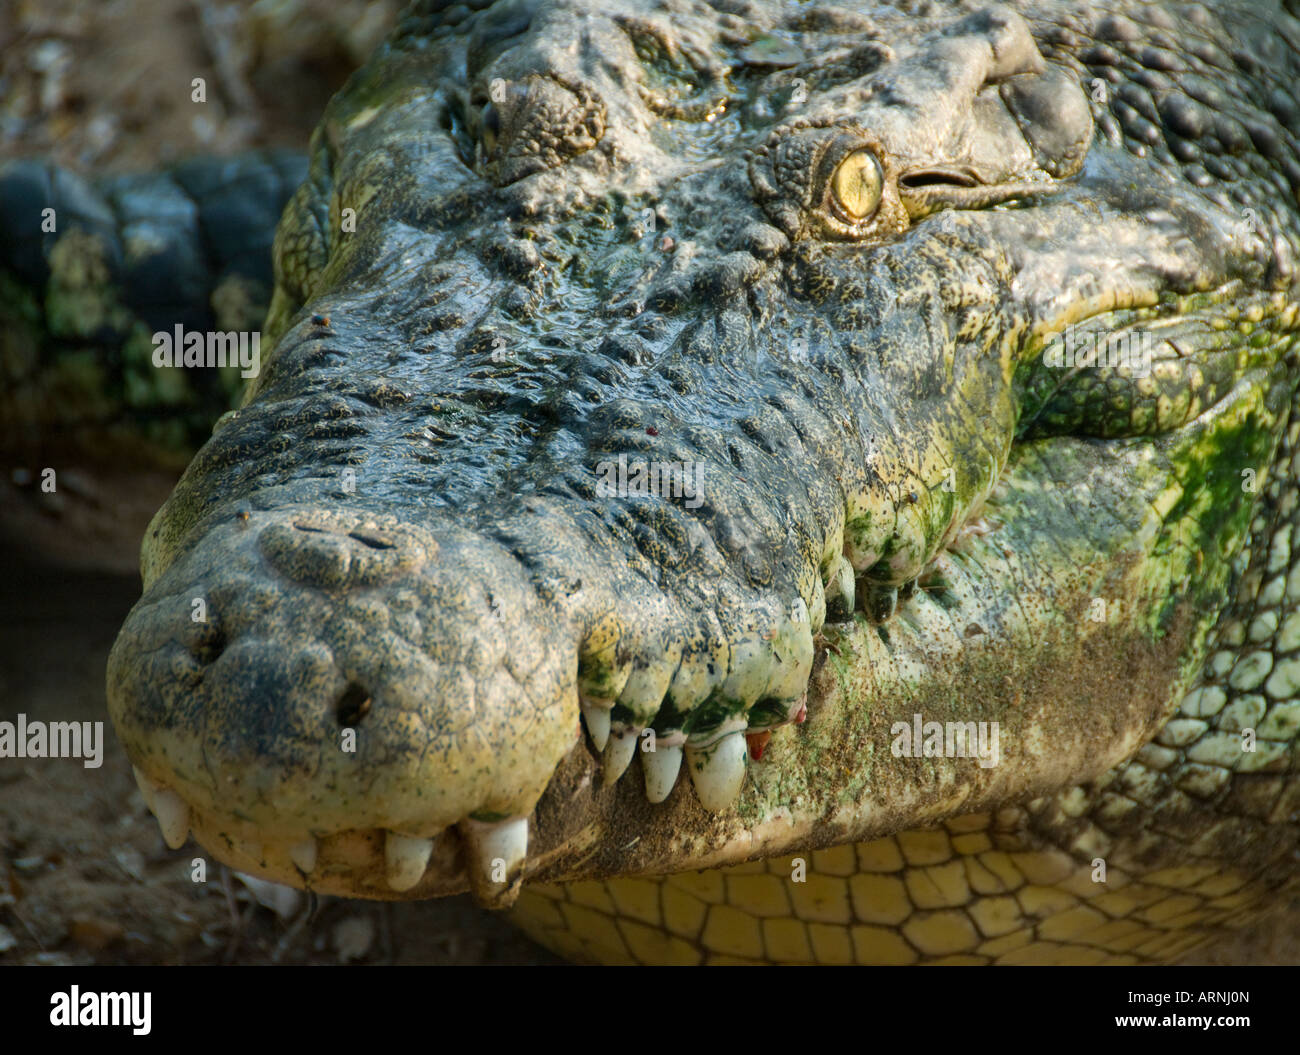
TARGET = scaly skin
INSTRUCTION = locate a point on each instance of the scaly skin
(413, 582)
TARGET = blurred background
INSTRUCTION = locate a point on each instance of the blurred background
(106, 85)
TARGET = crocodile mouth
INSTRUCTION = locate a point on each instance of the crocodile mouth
(278, 834)
(305, 698)
(244, 740)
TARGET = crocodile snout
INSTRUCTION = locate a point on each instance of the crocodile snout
(283, 691)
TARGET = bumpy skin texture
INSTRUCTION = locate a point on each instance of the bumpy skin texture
(868, 225)
(1197, 835)
(129, 255)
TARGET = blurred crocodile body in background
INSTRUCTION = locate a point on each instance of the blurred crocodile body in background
(143, 253)
(697, 369)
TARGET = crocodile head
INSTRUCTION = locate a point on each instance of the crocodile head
(673, 407)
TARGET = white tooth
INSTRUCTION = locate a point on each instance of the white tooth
(817, 611)
(303, 855)
(495, 858)
(618, 755)
(597, 719)
(173, 817)
(280, 899)
(843, 585)
(146, 786)
(660, 768)
(718, 771)
(406, 857)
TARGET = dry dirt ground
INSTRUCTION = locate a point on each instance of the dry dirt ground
(84, 874)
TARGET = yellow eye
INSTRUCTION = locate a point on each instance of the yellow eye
(857, 184)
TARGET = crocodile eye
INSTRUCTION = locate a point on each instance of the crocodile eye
(857, 185)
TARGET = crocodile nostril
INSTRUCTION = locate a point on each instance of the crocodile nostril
(210, 644)
(373, 541)
(336, 552)
(353, 705)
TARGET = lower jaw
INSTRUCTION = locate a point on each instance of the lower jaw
(348, 863)
(581, 828)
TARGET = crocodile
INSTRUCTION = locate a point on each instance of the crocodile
(874, 421)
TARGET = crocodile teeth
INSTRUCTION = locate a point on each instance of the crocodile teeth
(717, 771)
(840, 592)
(597, 719)
(405, 858)
(172, 813)
(495, 859)
(303, 855)
(146, 786)
(660, 768)
(618, 755)
(280, 899)
(173, 817)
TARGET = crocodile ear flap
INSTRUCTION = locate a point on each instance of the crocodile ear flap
(1054, 116)
(931, 188)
